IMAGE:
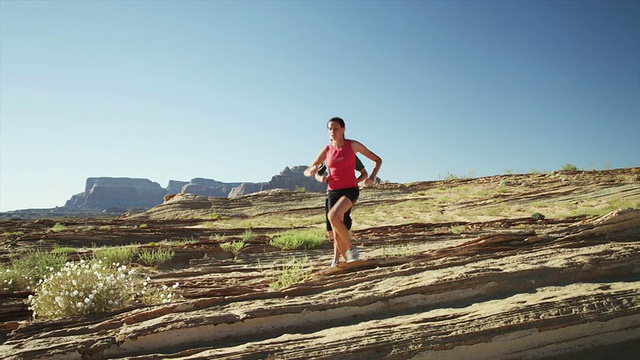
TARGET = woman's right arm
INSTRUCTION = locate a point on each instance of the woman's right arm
(313, 168)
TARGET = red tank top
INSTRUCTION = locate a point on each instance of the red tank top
(341, 163)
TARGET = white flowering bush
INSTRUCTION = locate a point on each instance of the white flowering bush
(88, 287)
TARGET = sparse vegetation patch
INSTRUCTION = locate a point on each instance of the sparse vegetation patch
(291, 271)
(233, 247)
(57, 228)
(298, 239)
(116, 254)
(156, 257)
(399, 250)
(26, 271)
(248, 235)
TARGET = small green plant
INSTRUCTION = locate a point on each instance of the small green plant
(248, 235)
(156, 257)
(57, 228)
(233, 247)
(300, 189)
(306, 239)
(116, 254)
(458, 229)
(142, 226)
(569, 167)
(537, 216)
(105, 227)
(64, 250)
(291, 271)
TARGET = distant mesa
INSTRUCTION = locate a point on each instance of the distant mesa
(102, 193)
(125, 194)
(289, 178)
(118, 195)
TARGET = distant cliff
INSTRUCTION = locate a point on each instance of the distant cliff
(289, 178)
(124, 194)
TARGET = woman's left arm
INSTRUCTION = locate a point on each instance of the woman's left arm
(359, 147)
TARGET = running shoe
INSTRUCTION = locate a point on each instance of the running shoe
(353, 255)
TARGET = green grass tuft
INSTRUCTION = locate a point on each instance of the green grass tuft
(156, 257)
(296, 239)
(291, 271)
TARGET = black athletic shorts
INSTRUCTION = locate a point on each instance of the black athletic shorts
(332, 198)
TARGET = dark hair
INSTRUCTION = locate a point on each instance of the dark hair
(338, 120)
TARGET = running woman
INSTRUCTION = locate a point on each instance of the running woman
(343, 190)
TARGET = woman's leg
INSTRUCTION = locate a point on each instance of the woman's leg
(336, 218)
(336, 252)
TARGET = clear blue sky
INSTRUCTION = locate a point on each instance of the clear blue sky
(236, 91)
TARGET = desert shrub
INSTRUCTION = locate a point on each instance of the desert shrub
(248, 235)
(458, 229)
(88, 287)
(307, 239)
(64, 250)
(57, 228)
(290, 271)
(569, 167)
(82, 288)
(25, 272)
(537, 216)
(233, 247)
(156, 257)
(116, 254)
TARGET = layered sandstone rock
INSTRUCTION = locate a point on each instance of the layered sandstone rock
(454, 270)
(521, 289)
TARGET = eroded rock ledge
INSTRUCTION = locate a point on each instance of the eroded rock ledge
(542, 292)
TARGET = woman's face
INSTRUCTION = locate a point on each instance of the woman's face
(336, 132)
